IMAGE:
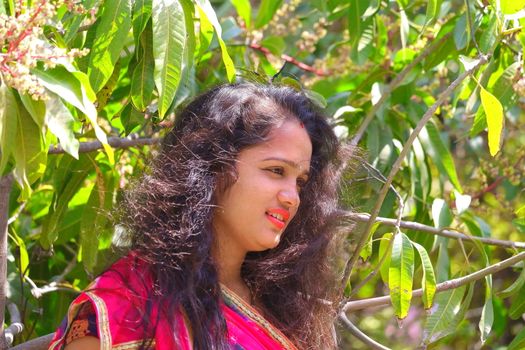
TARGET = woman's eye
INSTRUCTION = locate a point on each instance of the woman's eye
(278, 171)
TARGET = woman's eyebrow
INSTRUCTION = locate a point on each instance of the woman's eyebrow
(290, 163)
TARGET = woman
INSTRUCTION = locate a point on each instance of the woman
(231, 232)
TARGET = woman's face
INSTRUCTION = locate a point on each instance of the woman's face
(253, 213)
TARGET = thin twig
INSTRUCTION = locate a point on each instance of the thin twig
(115, 142)
(411, 225)
(450, 284)
(393, 84)
(397, 165)
(356, 332)
(291, 60)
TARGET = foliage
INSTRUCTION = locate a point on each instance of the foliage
(432, 91)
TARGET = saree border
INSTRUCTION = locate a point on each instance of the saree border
(104, 332)
(256, 317)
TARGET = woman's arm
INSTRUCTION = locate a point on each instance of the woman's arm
(84, 343)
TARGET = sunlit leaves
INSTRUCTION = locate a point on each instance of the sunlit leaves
(244, 9)
(433, 7)
(205, 9)
(8, 124)
(517, 308)
(448, 310)
(142, 81)
(428, 282)
(401, 274)
(385, 248)
(111, 33)
(511, 6)
(169, 35)
(266, 11)
(494, 112)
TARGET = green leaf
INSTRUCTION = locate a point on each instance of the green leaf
(461, 32)
(71, 176)
(401, 274)
(519, 224)
(30, 152)
(23, 255)
(205, 35)
(95, 216)
(205, 9)
(8, 124)
(37, 109)
(509, 7)
(169, 35)
(514, 287)
(494, 113)
(518, 343)
(366, 252)
(141, 17)
(266, 11)
(142, 81)
(244, 9)
(439, 153)
(517, 308)
(111, 33)
(73, 87)
(355, 22)
(445, 314)
(275, 44)
(60, 122)
(441, 213)
(428, 282)
(433, 7)
(383, 245)
(487, 319)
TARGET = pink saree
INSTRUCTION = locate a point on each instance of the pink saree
(119, 314)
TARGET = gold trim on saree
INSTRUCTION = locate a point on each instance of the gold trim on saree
(256, 317)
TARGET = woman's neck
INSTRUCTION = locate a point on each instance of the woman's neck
(229, 262)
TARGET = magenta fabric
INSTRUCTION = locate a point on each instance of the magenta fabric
(119, 295)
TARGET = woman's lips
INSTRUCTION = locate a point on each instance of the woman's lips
(278, 217)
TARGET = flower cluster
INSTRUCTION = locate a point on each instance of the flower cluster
(22, 45)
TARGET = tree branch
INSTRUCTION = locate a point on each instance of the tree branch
(356, 332)
(40, 343)
(6, 183)
(411, 225)
(290, 59)
(115, 142)
(393, 84)
(443, 286)
(16, 327)
(397, 165)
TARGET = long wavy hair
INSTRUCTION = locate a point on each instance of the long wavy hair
(169, 214)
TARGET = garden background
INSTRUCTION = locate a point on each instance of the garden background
(432, 92)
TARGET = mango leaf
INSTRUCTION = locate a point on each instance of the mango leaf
(462, 201)
(169, 34)
(95, 216)
(205, 9)
(509, 7)
(366, 252)
(8, 124)
(517, 308)
(383, 245)
(30, 152)
(439, 153)
(494, 113)
(401, 274)
(487, 319)
(60, 122)
(448, 310)
(266, 11)
(142, 81)
(71, 175)
(73, 87)
(205, 35)
(141, 16)
(519, 224)
(461, 32)
(37, 109)
(428, 281)
(23, 256)
(244, 9)
(433, 7)
(514, 287)
(518, 343)
(111, 33)
(441, 213)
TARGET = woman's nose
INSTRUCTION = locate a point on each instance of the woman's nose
(289, 196)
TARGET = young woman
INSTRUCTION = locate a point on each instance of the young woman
(231, 233)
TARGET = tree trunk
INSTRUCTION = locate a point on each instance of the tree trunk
(5, 188)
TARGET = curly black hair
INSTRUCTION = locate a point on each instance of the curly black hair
(169, 214)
